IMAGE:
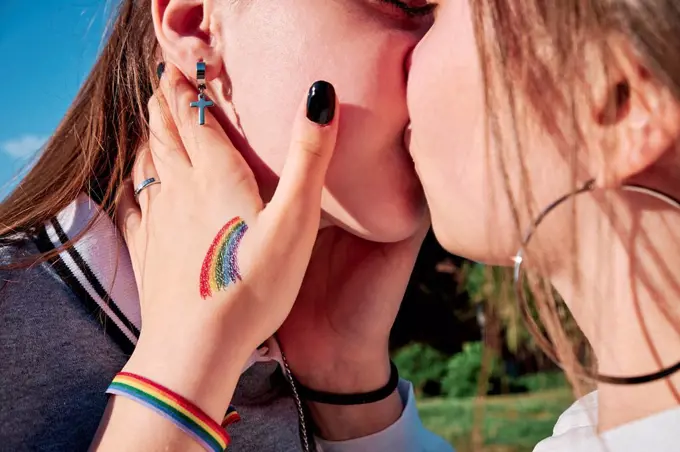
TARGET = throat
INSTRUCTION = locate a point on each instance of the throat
(633, 332)
(642, 345)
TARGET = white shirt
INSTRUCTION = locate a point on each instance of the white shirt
(576, 431)
(406, 435)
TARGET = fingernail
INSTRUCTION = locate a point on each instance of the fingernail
(321, 103)
(160, 69)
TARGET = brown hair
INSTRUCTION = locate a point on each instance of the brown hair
(535, 58)
(93, 149)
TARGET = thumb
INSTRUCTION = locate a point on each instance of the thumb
(313, 140)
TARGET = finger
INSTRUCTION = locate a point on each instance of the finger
(166, 145)
(313, 141)
(207, 145)
(128, 216)
(128, 220)
(143, 172)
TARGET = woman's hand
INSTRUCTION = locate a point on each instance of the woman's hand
(217, 270)
(336, 337)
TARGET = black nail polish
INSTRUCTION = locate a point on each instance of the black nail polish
(160, 69)
(321, 103)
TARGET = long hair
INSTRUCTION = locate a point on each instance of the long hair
(93, 148)
(536, 59)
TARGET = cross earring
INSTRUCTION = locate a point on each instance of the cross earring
(202, 103)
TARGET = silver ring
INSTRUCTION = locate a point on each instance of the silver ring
(146, 184)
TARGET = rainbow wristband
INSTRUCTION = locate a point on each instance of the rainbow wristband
(231, 417)
(183, 413)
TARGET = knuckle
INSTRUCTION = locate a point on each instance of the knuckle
(184, 98)
(137, 171)
(244, 179)
(157, 121)
(176, 95)
(144, 167)
(173, 83)
(310, 146)
(153, 106)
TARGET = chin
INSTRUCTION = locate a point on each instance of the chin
(381, 222)
(470, 242)
(395, 230)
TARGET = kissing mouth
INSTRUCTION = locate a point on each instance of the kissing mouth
(407, 137)
(417, 185)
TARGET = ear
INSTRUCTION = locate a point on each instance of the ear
(639, 113)
(185, 34)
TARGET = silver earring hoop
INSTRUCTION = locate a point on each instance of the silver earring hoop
(519, 289)
(202, 102)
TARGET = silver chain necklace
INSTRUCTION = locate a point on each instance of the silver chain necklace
(298, 404)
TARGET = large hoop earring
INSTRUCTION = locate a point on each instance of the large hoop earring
(519, 289)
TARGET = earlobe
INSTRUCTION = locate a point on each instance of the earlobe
(184, 32)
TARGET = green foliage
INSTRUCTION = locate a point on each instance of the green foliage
(475, 281)
(464, 370)
(542, 381)
(507, 423)
(493, 287)
(459, 375)
(420, 363)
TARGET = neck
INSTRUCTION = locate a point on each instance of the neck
(625, 301)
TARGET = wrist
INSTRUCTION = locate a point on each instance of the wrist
(352, 398)
(198, 370)
(347, 376)
(346, 422)
(338, 421)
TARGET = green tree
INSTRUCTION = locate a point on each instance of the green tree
(464, 371)
(420, 363)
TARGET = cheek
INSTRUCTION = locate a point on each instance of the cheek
(448, 143)
(371, 186)
(270, 75)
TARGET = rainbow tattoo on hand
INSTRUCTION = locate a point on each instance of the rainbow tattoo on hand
(220, 267)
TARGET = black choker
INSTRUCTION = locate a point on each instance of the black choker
(330, 398)
(639, 379)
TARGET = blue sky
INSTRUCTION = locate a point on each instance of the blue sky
(47, 47)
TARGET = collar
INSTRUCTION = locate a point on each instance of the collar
(99, 271)
(576, 431)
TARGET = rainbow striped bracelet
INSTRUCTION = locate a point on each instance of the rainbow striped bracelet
(187, 416)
